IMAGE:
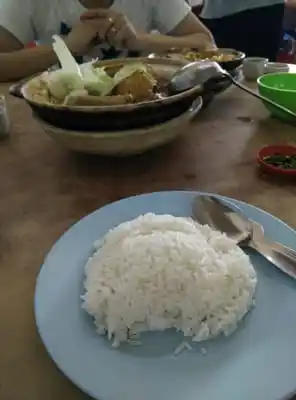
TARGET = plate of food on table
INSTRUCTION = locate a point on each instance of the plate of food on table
(136, 88)
(146, 298)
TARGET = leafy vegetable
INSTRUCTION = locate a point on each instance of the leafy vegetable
(61, 83)
(97, 81)
(281, 161)
(94, 80)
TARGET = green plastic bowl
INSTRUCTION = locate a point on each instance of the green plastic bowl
(281, 88)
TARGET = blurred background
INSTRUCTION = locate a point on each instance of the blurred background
(287, 50)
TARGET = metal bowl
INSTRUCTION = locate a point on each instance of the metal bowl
(238, 57)
(114, 118)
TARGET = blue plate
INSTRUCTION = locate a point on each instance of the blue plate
(257, 362)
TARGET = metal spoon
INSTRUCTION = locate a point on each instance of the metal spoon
(217, 214)
(199, 73)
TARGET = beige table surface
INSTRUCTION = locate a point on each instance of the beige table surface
(44, 189)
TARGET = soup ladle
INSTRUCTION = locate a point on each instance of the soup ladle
(201, 73)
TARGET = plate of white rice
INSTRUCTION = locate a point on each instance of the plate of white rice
(138, 301)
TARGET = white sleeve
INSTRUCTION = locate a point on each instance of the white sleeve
(15, 17)
(167, 14)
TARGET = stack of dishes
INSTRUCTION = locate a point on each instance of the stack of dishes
(117, 107)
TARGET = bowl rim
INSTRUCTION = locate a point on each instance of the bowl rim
(176, 50)
(122, 107)
(187, 114)
(273, 149)
(279, 73)
(277, 64)
(240, 55)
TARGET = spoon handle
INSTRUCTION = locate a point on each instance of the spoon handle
(258, 96)
(277, 255)
(281, 256)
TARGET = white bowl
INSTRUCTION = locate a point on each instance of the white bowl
(272, 67)
(125, 142)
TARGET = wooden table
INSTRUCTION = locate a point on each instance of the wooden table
(45, 189)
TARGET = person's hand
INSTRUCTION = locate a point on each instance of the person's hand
(208, 44)
(112, 27)
(211, 46)
(80, 38)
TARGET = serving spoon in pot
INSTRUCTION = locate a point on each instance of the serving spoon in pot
(209, 210)
(200, 73)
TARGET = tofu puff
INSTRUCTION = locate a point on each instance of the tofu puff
(135, 79)
(141, 85)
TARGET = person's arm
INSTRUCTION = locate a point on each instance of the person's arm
(17, 62)
(16, 31)
(190, 32)
(178, 28)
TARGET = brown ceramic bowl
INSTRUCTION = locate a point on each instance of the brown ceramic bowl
(237, 57)
(123, 142)
(114, 118)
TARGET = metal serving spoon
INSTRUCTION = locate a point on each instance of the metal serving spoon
(199, 73)
(217, 214)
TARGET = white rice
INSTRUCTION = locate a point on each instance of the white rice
(158, 272)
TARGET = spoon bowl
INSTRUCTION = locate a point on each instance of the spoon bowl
(197, 73)
(207, 210)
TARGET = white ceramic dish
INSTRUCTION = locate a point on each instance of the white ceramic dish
(253, 67)
(273, 67)
(123, 142)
